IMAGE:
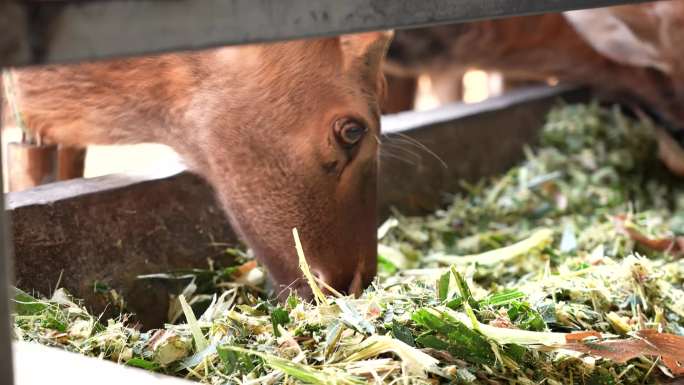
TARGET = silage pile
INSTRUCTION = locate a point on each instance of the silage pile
(565, 270)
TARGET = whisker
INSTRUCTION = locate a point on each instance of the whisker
(398, 147)
(399, 158)
(404, 154)
(403, 138)
(385, 152)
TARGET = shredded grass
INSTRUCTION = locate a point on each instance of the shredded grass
(567, 269)
(304, 266)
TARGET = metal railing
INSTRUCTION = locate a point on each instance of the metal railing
(49, 31)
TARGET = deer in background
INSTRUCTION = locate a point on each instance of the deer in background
(628, 53)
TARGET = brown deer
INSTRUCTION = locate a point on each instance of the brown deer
(647, 36)
(545, 46)
(526, 48)
(286, 133)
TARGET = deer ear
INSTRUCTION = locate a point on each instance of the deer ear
(364, 53)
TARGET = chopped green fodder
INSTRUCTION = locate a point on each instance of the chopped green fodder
(564, 270)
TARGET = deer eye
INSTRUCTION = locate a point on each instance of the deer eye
(349, 132)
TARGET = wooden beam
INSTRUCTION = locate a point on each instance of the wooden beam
(108, 230)
(66, 31)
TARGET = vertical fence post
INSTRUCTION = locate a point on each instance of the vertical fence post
(70, 162)
(12, 19)
(6, 376)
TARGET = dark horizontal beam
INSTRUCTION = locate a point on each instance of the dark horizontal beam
(44, 31)
(113, 228)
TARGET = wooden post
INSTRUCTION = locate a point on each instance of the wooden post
(71, 162)
(31, 165)
(400, 95)
(31, 162)
(6, 267)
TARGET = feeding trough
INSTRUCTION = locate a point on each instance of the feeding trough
(111, 229)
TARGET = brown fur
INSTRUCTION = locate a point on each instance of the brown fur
(527, 48)
(256, 122)
(646, 37)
